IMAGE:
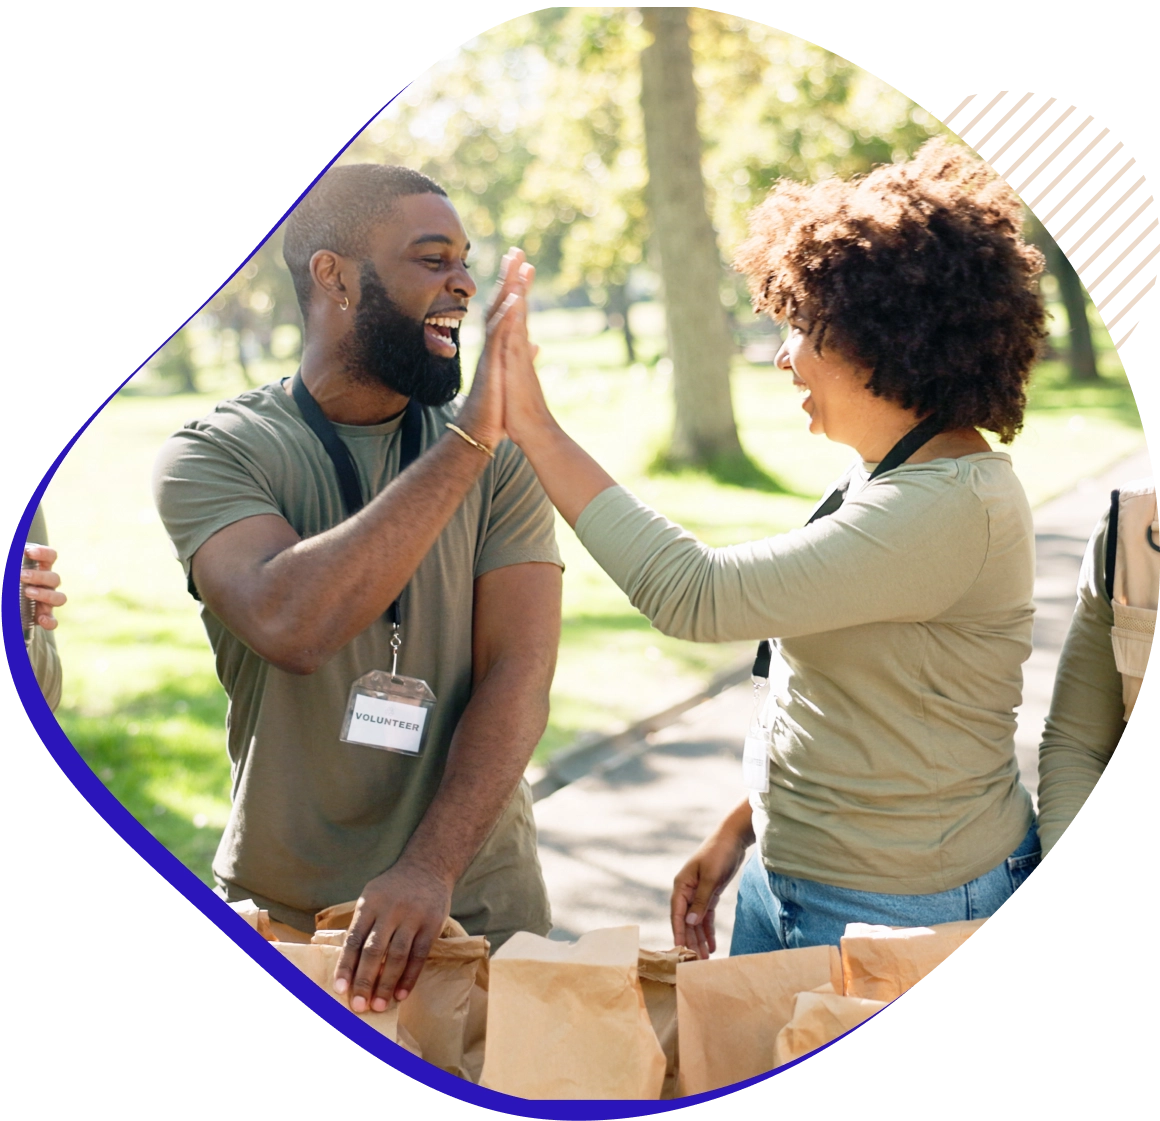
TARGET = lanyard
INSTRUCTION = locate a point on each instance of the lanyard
(921, 434)
(411, 431)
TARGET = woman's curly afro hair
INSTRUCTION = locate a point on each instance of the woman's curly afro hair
(917, 272)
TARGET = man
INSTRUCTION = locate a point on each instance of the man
(295, 591)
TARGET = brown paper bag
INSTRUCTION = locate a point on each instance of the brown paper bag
(730, 1011)
(475, 1026)
(882, 962)
(436, 1013)
(319, 963)
(268, 928)
(568, 1020)
(337, 917)
(819, 1017)
(658, 981)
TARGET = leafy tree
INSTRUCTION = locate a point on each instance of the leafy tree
(704, 431)
(1081, 354)
(536, 130)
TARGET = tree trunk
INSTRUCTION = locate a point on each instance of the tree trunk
(176, 361)
(1079, 332)
(1081, 351)
(704, 431)
(618, 305)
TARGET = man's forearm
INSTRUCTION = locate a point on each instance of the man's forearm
(308, 598)
(491, 748)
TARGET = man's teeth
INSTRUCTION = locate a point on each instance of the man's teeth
(442, 321)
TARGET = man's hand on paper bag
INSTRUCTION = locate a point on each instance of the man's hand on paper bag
(698, 885)
(398, 916)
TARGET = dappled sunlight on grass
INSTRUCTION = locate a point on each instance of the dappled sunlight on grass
(161, 753)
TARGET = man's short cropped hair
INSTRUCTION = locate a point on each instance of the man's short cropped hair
(341, 210)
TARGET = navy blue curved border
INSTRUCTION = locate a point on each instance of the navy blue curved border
(209, 904)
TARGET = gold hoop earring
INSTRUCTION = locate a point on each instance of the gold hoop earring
(344, 305)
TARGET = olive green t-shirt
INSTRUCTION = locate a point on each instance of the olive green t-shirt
(314, 818)
(904, 619)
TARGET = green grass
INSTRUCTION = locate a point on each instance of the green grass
(141, 702)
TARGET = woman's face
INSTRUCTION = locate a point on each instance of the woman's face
(835, 392)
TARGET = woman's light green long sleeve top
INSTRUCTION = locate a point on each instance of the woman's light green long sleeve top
(904, 619)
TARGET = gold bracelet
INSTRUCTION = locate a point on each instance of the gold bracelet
(471, 440)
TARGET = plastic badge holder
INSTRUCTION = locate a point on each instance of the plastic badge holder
(389, 712)
(755, 757)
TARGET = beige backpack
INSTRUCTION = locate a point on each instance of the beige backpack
(1132, 580)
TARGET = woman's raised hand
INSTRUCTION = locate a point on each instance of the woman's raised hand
(504, 343)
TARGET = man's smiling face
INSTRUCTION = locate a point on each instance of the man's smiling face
(420, 254)
(414, 289)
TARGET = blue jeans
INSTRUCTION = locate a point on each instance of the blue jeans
(776, 912)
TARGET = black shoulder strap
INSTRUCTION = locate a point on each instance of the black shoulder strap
(923, 432)
(1111, 541)
(411, 436)
(339, 453)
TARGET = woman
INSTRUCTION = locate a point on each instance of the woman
(904, 615)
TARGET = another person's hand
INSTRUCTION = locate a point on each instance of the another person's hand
(40, 584)
(398, 917)
(697, 887)
(526, 412)
(483, 412)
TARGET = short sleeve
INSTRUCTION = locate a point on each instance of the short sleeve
(521, 528)
(200, 487)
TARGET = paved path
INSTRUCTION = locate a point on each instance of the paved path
(611, 841)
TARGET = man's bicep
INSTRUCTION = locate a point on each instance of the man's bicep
(227, 567)
(517, 616)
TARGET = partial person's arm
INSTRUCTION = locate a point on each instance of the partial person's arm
(42, 585)
(903, 550)
(697, 887)
(1086, 718)
(400, 913)
(296, 602)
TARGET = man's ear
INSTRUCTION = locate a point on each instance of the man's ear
(335, 276)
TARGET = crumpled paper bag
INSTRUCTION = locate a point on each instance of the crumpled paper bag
(658, 981)
(319, 964)
(437, 1013)
(268, 928)
(882, 962)
(568, 1020)
(819, 1017)
(318, 957)
(730, 1011)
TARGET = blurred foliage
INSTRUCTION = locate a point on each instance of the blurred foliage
(535, 130)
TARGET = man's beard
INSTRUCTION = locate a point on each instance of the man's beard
(386, 346)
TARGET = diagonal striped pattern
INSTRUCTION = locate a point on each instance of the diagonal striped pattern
(1084, 187)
